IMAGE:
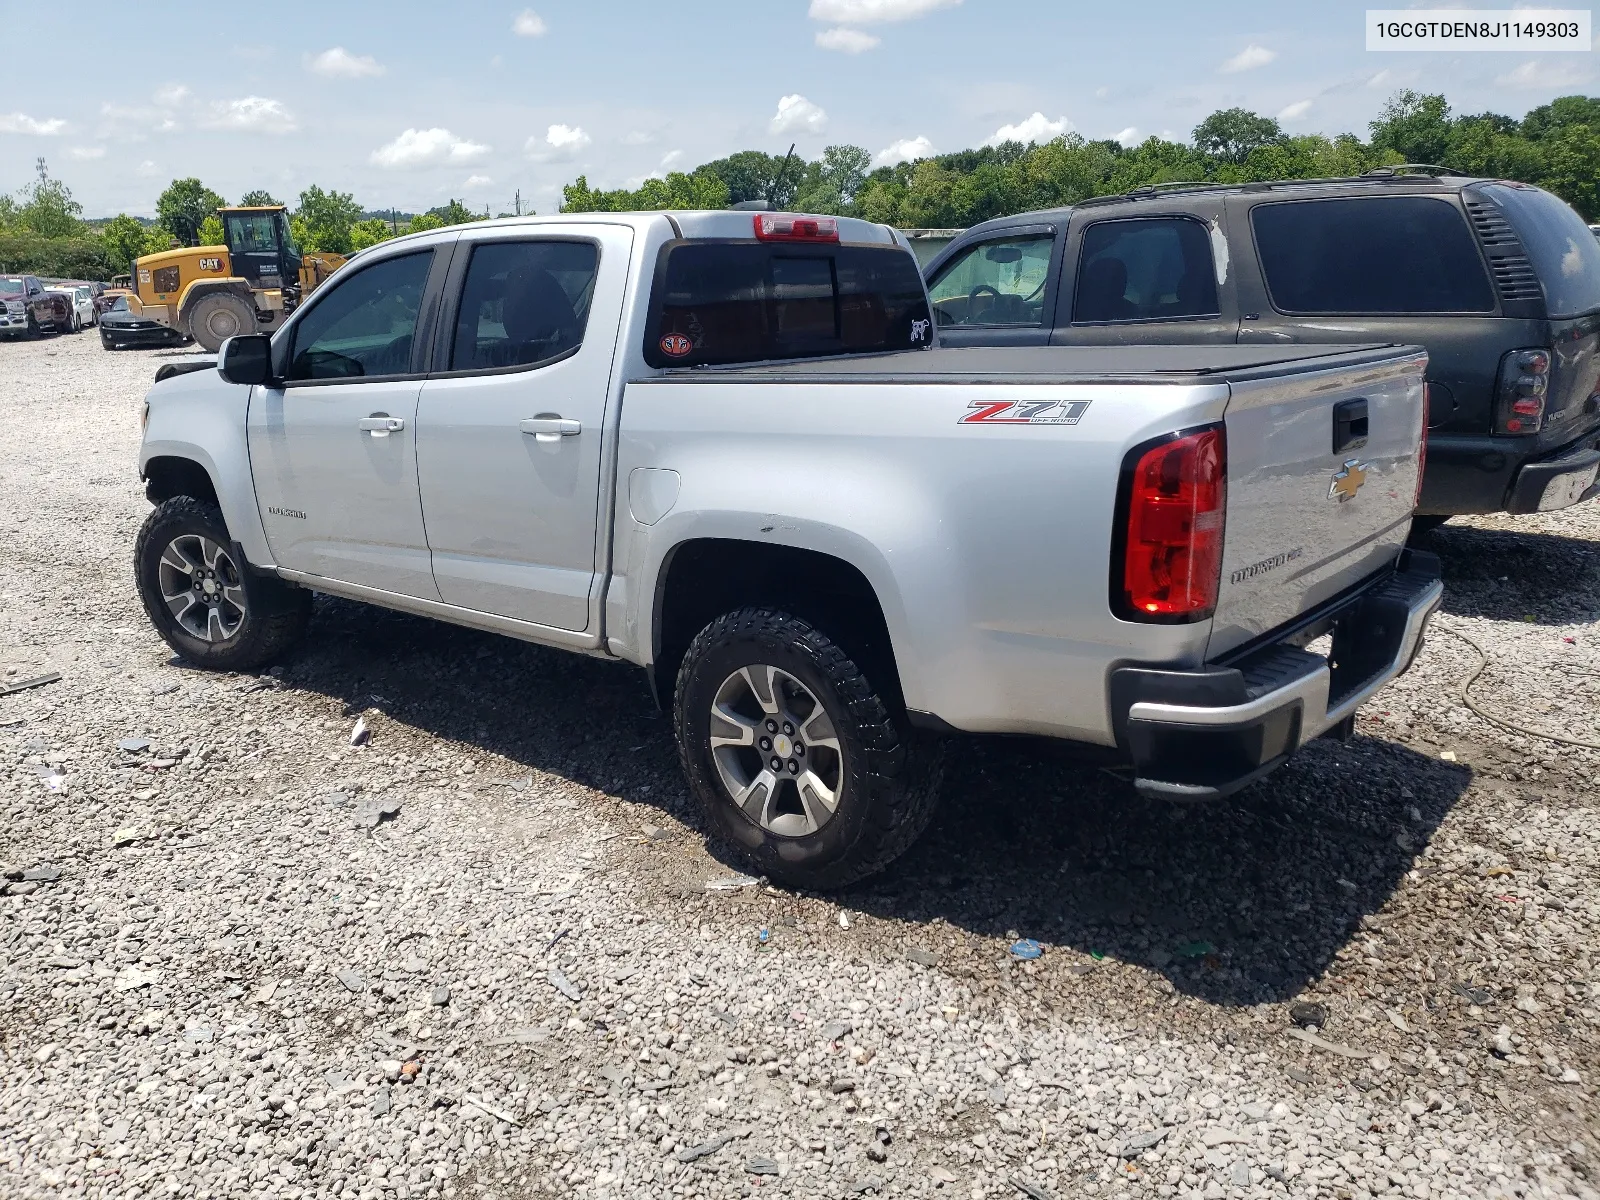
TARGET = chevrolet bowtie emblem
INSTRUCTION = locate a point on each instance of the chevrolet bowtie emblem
(1347, 481)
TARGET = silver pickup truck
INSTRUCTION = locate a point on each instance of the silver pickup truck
(721, 446)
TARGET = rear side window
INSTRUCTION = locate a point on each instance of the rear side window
(1561, 247)
(735, 302)
(1371, 255)
(1149, 269)
(523, 303)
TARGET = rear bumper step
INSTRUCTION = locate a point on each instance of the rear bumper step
(1196, 735)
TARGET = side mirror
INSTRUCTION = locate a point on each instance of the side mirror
(246, 358)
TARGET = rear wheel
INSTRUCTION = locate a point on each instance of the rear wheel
(34, 329)
(794, 755)
(218, 317)
(201, 597)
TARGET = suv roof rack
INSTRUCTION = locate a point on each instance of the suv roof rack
(1417, 172)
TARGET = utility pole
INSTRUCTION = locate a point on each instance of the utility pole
(394, 220)
(519, 202)
(44, 171)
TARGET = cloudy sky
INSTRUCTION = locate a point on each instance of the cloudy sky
(407, 105)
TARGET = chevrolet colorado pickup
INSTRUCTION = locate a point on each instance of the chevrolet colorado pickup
(720, 446)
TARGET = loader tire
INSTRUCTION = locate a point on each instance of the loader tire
(217, 317)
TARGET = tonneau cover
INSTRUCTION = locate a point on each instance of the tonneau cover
(1052, 364)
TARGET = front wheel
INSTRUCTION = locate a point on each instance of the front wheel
(201, 597)
(218, 317)
(794, 755)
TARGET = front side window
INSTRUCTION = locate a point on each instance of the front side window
(995, 283)
(252, 233)
(523, 303)
(1148, 269)
(739, 302)
(1370, 255)
(365, 326)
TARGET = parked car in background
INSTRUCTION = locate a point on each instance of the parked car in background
(77, 295)
(1498, 280)
(108, 293)
(121, 328)
(715, 445)
(27, 308)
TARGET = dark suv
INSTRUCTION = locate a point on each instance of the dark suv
(1500, 281)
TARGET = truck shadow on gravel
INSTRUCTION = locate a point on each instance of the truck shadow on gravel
(1514, 576)
(1238, 902)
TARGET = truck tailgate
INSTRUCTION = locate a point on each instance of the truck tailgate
(1322, 478)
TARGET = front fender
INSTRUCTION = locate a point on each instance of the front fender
(200, 417)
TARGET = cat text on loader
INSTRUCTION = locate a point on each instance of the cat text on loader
(248, 285)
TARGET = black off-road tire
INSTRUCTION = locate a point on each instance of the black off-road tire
(890, 775)
(35, 330)
(226, 312)
(275, 613)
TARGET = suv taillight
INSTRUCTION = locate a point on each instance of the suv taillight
(1520, 393)
(1174, 496)
(1422, 442)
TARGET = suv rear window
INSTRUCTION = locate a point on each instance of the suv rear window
(737, 302)
(1373, 254)
(1561, 247)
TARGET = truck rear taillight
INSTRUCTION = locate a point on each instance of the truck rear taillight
(786, 227)
(1174, 496)
(1521, 391)
(1422, 442)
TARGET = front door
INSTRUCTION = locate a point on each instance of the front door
(1157, 279)
(1000, 291)
(333, 448)
(509, 433)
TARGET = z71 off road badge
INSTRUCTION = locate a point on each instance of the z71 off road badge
(1347, 481)
(1025, 412)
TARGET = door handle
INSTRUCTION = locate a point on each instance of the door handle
(550, 429)
(381, 426)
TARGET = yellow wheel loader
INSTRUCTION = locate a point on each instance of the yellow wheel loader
(248, 285)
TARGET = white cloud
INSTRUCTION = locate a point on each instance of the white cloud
(638, 137)
(529, 24)
(1101, 93)
(796, 114)
(251, 114)
(905, 150)
(85, 153)
(426, 148)
(147, 168)
(22, 123)
(1037, 128)
(1381, 78)
(1536, 74)
(1128, 136)
(1295, 111)
(847, 41)
(1248, 59)
(874, 12)
(339, 63)
(560, 142)
(670, 157)
(171, 95)
(477, 181)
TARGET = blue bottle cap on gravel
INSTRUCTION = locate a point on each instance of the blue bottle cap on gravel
(1027, 949)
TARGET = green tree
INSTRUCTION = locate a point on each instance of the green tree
(1232, 133)
(257, 199)
(1570, 157)
(327, 218)
(455, 213)
(751, 174)
(1415, 126)
(211, 232)
(47, 208)
(369, 233)
(425, 221)
(184, 206)
(125, 240)
(702, 188)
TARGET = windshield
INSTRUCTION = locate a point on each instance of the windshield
(119, 305)
(290, 250)
(10, 283)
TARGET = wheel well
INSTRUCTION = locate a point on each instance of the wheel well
(704, 579)
(169, 477)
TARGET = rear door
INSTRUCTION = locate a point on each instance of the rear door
(1364, 269)
(510, 428)
(1000, 291)
(1322, 478)
(1157, 276)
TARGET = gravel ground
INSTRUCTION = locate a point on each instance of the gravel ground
(478, 956)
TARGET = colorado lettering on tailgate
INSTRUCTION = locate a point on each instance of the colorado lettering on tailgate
(1025, 412)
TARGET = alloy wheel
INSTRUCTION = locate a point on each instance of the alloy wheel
(202, 587)
(776, 750)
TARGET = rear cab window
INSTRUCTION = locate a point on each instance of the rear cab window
(735, 301)
(1562, 249)
(1145, 269)
(1370, 255)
